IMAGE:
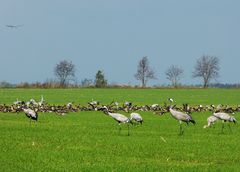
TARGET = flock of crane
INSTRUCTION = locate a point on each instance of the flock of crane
(31, 108)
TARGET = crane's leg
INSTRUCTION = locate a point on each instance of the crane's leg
(119, 128)
(180, 127)
(128, 129)
(229, 127)
(222, 126)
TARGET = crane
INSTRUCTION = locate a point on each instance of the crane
(136, 117)
(31, 114)
(13, 26)
(120, 118)
(225, 117)
(181, 117)
(210, 120)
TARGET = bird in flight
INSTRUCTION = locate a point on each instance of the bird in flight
(14, 26)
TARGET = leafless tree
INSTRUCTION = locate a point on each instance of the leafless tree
(144, 72)
(174, 74)
(87, 82)
(64, 71)
(207, 68)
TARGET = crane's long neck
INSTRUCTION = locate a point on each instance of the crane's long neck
(42, 98)
(110, 114)
(171, 110)
(107, 112)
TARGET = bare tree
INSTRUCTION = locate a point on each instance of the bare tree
(174, 74)
(64, 71)
(87, 82)
(144, 72)
(207, 68)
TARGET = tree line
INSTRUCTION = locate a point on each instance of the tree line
(207, 68)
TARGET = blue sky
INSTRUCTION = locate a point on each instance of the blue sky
(113, 35)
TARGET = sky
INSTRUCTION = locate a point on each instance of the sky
(113, 35)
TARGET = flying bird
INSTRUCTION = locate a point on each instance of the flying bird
(14, 26)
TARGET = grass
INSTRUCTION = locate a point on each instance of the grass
(89, 141)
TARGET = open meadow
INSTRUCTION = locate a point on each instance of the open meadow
(89, 140)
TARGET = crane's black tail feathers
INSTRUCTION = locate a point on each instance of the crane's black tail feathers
(192, 121)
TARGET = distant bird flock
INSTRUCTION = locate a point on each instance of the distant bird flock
(32, 107)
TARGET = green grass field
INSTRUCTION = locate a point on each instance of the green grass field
(89, 141)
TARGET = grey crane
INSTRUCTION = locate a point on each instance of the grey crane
(180, 116)
(31, 114)
(210, 121)
(136, 117)
(225, 117)
(120, 118)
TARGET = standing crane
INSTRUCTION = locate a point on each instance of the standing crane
(181, 117)
(225, 117)
(121, 119)
(31, 114)
(136, 117)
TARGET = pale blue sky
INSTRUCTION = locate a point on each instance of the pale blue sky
(113, 35)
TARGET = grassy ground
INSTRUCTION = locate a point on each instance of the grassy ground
(138, 96)
(89, 141)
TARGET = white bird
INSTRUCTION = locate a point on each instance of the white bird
(93, 104)
(127, 104)
(181, 117)
(116, 104)
(31, 114)
(41, 101)
(17, 102)
(210, 121)
(224, 117)
(171, 100)
(136, 117)
(69, 105)
(121, 119)
(31, 102)
(154, 106)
